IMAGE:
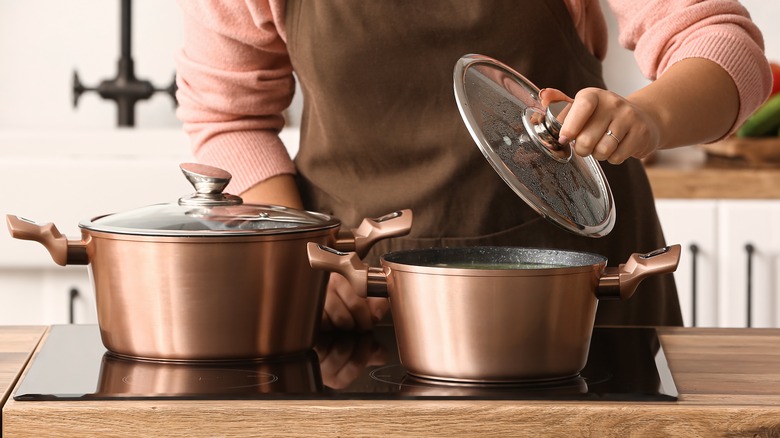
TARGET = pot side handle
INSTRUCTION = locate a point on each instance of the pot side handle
(371, 230)
(365, 280)
(61, 250)
(621, 282)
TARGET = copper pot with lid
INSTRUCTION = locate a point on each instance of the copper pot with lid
(207, 277)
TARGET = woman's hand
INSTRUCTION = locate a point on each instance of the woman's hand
(603, 124)
(694, 101)
(346, 310)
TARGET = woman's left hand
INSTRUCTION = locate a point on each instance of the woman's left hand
(346, 310)
(605, 125)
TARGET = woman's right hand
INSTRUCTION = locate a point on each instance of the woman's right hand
(694, 101)
(605, 125)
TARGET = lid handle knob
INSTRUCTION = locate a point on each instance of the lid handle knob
(209, 182)
(544, 129)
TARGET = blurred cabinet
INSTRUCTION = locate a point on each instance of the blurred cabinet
(58, 295)
(729, 270)
(693, 224)
(749, 278)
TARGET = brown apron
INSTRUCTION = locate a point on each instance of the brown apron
(381, 130)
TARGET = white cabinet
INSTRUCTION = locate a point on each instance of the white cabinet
(693, 224)
(730, 261)
(749, 245)
(56, 295)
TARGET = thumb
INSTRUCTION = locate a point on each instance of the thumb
(549, 95)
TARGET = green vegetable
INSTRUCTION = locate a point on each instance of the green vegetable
(764, 122)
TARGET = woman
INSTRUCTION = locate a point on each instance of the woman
(381, 130)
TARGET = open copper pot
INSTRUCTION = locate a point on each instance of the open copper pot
(494, 314)
(207, 277)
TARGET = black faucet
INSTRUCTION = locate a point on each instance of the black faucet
(125, 89)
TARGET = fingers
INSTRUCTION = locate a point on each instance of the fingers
(378, 308)
(549, 95)
(342, 307)
(586, 126)
(605, 125)
(346, 310)
(608, 147)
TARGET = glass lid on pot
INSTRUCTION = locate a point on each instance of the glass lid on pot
(519, 137)
(209, 212)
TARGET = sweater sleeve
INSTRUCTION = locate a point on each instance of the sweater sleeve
(664, 32)
(234, 81)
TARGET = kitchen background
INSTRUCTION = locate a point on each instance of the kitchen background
(63, 164)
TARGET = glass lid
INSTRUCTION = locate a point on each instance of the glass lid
(518, 136)
(209, 212)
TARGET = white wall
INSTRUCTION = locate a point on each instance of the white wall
(43, 41)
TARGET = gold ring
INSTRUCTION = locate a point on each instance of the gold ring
(609, 133)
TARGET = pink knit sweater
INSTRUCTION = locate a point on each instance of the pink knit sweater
(235, 77)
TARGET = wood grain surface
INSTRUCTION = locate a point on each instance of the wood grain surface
(756, 151)
(728, 379)
(690, 173)
(16, 346)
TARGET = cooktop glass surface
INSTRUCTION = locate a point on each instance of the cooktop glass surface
(624, 364)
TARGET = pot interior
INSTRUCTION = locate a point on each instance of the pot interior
(494, 257)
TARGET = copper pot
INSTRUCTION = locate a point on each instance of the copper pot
(494, 314)
(207, 277)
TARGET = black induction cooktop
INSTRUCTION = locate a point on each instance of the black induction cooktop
(624, 364)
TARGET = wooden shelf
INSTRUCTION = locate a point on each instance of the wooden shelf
(692, 173)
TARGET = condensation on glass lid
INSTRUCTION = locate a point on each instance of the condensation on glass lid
(570, 190)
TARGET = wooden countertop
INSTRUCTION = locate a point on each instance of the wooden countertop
(728, 380)
(16, 346)
(691, 173)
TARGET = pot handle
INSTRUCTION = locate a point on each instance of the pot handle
(371, 230)
(62, 251)
(621, 282)
(365, 280)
